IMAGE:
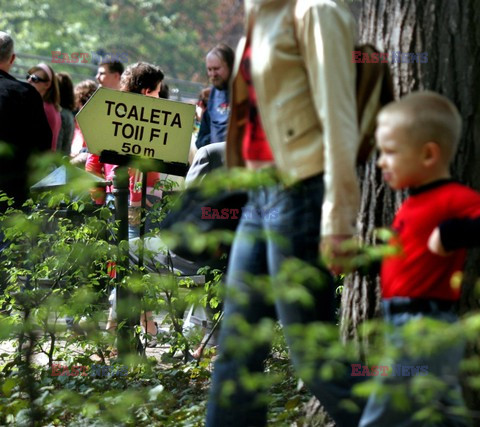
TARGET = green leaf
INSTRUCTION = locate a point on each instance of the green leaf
(8, 386)
(293, 403)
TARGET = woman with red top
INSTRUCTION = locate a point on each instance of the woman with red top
(42, 78)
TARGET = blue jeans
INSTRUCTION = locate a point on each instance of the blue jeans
(442, 362)
(278, 223)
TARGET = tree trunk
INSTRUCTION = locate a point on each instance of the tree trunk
(446, 29)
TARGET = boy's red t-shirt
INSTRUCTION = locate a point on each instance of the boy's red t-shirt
(416, 272)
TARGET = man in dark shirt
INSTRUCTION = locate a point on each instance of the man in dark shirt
(24, 127)
(213, 127)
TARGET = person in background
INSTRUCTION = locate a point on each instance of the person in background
(43, 78)
(164, 91)
(145, 79)
(200, 107)
(109, 74)
(207, 159)
(78, 151)
(23, 127)
(213, 127)
(100, 195)
(67, 102)
(24, 132)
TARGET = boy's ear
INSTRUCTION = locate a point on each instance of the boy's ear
(432, 154)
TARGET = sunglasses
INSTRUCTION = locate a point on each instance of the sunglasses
(35, 79)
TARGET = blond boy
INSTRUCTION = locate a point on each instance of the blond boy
(417, 137)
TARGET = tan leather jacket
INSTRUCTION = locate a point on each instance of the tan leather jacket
(305, 85)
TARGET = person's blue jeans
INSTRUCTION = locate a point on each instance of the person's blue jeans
(278, 223)
(442, 362)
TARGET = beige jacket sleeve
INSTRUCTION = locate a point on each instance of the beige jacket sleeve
(325, 31)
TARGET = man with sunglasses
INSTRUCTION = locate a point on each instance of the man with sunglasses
(24, 129)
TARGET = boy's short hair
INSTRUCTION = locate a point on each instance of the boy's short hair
(426, 116)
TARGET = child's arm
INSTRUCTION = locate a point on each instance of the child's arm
(454, 234)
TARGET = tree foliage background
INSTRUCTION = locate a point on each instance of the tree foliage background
(175, 35)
